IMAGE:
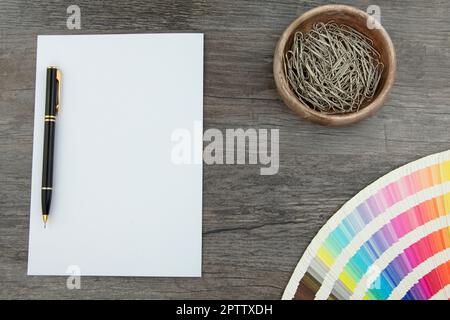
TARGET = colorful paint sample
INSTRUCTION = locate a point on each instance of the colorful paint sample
(391, 241)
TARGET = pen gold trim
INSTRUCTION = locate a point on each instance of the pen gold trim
(58, 78)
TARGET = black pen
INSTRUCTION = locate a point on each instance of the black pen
(52, 106)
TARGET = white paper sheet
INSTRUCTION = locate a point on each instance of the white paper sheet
(120, 206)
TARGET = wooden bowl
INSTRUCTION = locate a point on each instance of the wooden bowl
(351, 17)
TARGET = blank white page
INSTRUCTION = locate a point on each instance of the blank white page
(120, 206)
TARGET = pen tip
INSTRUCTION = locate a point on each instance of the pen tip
(45, 218)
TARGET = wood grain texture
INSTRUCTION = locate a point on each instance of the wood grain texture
(255, 228)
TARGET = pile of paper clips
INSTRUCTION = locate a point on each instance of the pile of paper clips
(333, 68)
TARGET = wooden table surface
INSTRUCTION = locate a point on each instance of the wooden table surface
(255, 228)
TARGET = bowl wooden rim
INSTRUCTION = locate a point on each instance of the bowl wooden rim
(305, 111)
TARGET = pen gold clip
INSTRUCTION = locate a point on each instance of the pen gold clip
(58, 78)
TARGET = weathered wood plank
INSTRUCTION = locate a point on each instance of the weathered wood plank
(255, 227)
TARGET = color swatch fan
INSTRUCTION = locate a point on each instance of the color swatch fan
(391, 241)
